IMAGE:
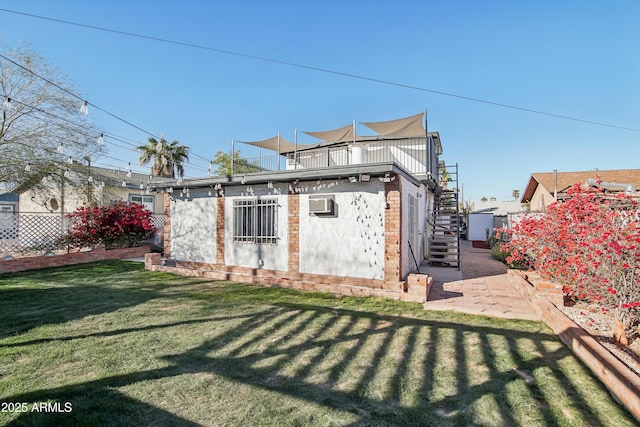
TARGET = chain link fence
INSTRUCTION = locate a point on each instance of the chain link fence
(27, 234)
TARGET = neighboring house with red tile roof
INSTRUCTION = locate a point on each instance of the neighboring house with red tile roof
(542, 187)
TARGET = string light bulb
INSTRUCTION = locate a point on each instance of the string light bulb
(85, 108)
(124, 183)
(101, 139)
(90, 179)
(7, 103)
(60, 148)
(66, 173)
(27, 168)
(70, 160)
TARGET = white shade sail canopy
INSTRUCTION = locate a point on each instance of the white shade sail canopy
(408, 127)
(276, 143)
(344, 134)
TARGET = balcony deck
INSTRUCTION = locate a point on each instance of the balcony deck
(412, 154)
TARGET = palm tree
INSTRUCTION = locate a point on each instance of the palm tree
(166, 159)
(444, 177)
(515, 194)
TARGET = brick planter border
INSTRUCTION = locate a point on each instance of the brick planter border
(99, 253)
(623, 384)
(414, 289)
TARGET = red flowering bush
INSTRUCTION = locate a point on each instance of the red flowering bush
(590, 243)
(120, 225)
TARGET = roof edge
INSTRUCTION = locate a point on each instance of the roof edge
(373, 169)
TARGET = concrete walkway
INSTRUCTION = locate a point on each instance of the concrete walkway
(481, 287)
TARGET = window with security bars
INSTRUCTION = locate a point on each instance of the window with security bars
(255, 220)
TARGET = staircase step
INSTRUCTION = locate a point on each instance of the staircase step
(444, 260)
(444, 239)
(445, 228)
(444, 246)
(444, 252)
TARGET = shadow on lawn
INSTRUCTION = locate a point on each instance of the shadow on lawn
(69, 296)
(292, 350)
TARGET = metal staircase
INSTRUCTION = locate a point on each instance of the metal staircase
(444, 242)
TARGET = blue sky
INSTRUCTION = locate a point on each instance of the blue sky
(570, 58)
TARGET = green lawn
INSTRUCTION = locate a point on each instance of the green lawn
(124, 346)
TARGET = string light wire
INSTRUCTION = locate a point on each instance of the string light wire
(79, 129)
(84, 103)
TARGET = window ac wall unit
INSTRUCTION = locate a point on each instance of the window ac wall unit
(321, 205)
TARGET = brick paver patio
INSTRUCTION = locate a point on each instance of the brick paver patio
(481, 287)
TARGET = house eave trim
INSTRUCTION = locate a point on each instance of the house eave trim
(375, 170)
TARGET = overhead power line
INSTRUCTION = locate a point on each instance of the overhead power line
(319, 69)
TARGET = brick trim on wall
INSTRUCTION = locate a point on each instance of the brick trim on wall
(220, 230)
(338, 285)
(393, 231)
(167, 225)
(294, 233)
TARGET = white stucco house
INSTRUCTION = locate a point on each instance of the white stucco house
(33, 219)
(349, 215)
(65, 194)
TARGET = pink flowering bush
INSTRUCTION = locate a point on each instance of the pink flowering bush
(590, 243)
(119, 226)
